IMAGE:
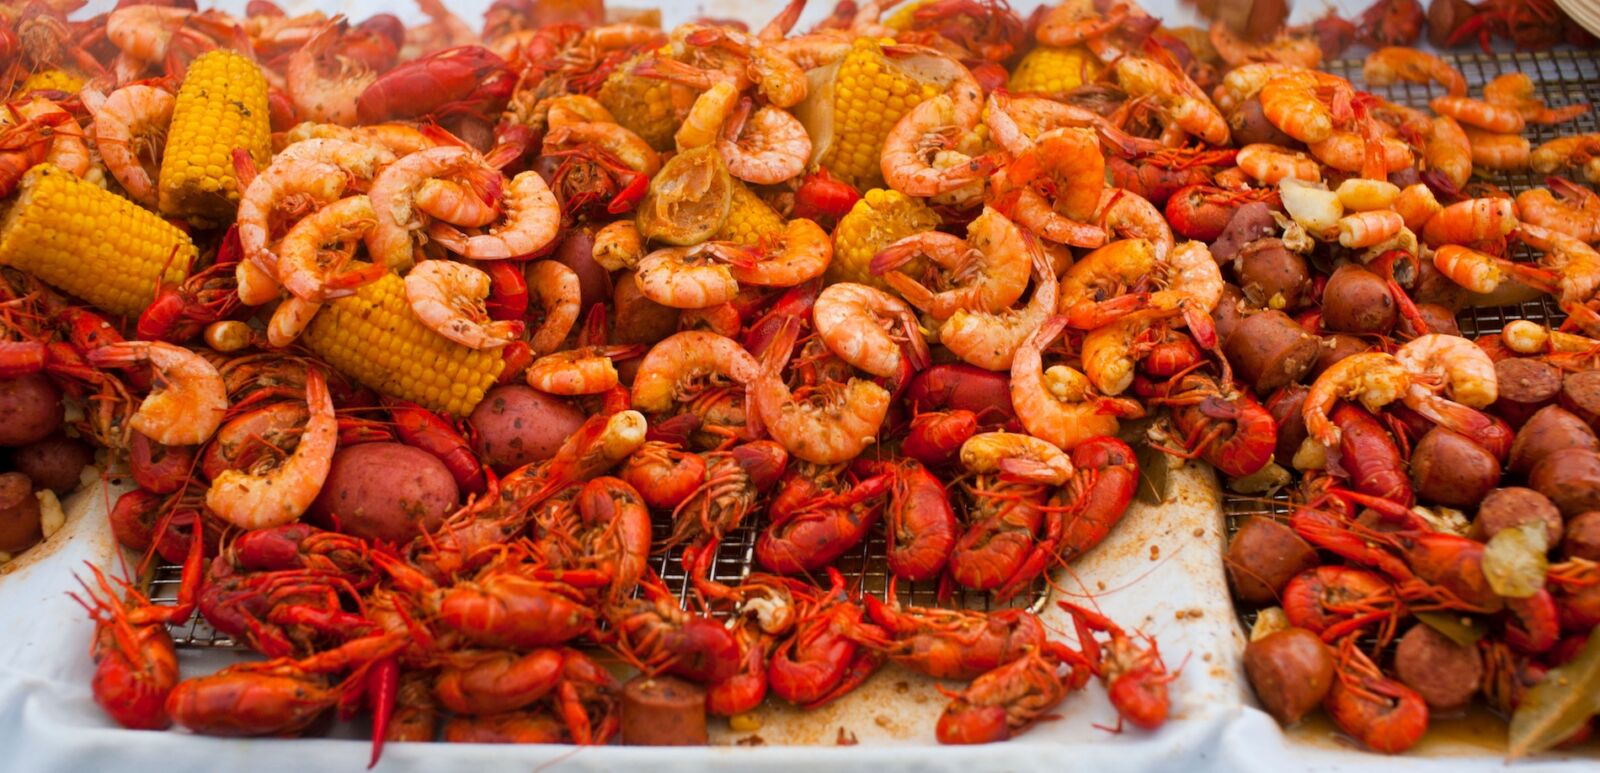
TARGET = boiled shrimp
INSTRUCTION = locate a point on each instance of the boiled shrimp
(1017, 456)
(830, 424)
(1365, 229)
(682, 358)
(1189, 275)
(798, 254)
(618, 245)
(1015, 121)
(988, 269)
(1515, 90)
(1094, 290)
(1059, 404)
(1295, 103)
(1501, 152)
(289, 320)
(1284, 48)
(1454, 365)
(1347, 152)
(1416, 204)
(559, 292)
(1180, 101)
(130, 131)
(1476, 112)
(532, 221)
(1243, 83)
(686, 277)
(69, 147)
(1374, 379)
(323, 84)
(854, 321)
(1075, 21)
(1269, 164)
(394, 237)
(1129, 215)
(1109, 350)
(1072, 168)
(448, 297)
(358, 159)
(575, 108)
(259, 499)
(990, 340)
(1572, 150)
(1447, 150)
(765, 147)
(313, 273)
(1471, 220)
(933, 126)
(291, 188)
(1392, 63)
(187, 399)
(457, 203)
(1565, 207)
(1576, 264)
(585, 371)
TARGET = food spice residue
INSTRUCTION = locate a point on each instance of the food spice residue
(1155, 552)
(846, 738)
(751, 740)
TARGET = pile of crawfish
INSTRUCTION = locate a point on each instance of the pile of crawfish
(1209, 248)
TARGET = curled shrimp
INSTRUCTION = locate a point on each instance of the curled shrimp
(1416, 204)
(359, 160)
(311, 272)
(1515, 90)
(1111, 350)
(629, 148)
(1067, 163)
(1058, 404)
(1459, 368)
(130, 131)
(1284, 48)
(1375, 379)
(779, 78)
(559, 293)
(1447, 150)
(448, 297)
(1190, 275)
(798, 254)
(1392, 63)
(1365, 229)
(682, 358)
(1479, 272)
(290, 319)
(457, 203)
(1471, 220)
(988, 270)
(1244, 82)
(1016, 121)
(1571, 150)
(575, 108)
(1129, 215)
(618, 245)
(260, 499)
(1476, 112)
(69, 148)
(934, 126)
(1270, 163)
(1576, 265)
(585, 371)
(854, 321)
(323, 84)
(1020, 457)
(687, 277)
(1076, 21)
(1180, 101)
(766, 147)
(187, 399)
(1501, 152)
(830, 423)
(1295, 102)
(990, 340)
(285, 188)
(532, 221)
(394, 237)
(1347, 152)
(1095, 290)
(1565, 207)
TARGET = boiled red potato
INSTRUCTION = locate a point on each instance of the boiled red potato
(20, 524)
(517, 425)
(54, 463)
(386, 492)
(32, 409)
(1291, 671)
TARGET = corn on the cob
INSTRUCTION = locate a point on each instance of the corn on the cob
(902, 17)
(1052, 71)
(374, 336)
(221, 105)
(879, 219)
(641, 105)
(91, 243)
(749, 218)
(870, 94)
(51, 80)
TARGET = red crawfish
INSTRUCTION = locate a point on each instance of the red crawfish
(467, 80)
(1368, 455)
(181, 310)
(1383, 714)
(1220, 422)
(820, 661)
(136, 665)
(604, 527)
(303, 546)
(424, 429)
(824, 198)
(1011, 698)
(1332, 601)
(921, 525)
(765, 608)
(1004, 518)
(735, 480)
(985, 29)
(656, 636)
(965, 387)
(817, 514)
(506, 604)
(1135, 676)
(951, 643)
(934, 438)
(158, 468)
(1202, 211)
(664, 473)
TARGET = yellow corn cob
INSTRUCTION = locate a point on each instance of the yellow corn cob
(641, 105)
(749, 218)
(222, 105)
(902, 17)
(879, 219)
(51, 80)
(374, 336)
(1052, 72)
(91, 243)
(870, 94)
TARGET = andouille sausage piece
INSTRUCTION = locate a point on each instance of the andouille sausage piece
(1335, 347)
(1438, 319)
(1285, 405)
(1550, 429)
(1444, 673)
(1268, 350)
(1272, 276)
(1291, 671)
(1447, 468)
(1356, 300)
(1582, 539)
(663, 711)
(1263, 556)
(1512, 506)
(1230, 312)
(19, 513)
(1580, 394)
(1525, 386)
(1571, 478)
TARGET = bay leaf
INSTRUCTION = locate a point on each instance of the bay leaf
(1153, 484)
(1514, 562)
(1463, 630)
(1554, 709)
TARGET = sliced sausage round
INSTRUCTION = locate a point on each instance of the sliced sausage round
(1269, 350)
(663, 711)
(1444, 673)
(1263, 556)
(1571, 478)
(1582, 538)
(1525, 386)
(1550, 429)
(1509, 507)
(1291, 671)
(1580, 393)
